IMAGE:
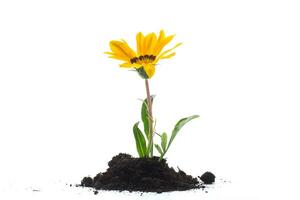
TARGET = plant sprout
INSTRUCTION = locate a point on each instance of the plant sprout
(143, 61)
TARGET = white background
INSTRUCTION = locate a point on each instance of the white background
(66, 109)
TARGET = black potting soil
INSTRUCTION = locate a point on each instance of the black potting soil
(207, 178)
(141, 174)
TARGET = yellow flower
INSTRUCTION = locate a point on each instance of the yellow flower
(149, 52)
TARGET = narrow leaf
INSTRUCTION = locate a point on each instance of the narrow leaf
(164, 140)
(178, 126)
(159, 149)
(139, 140)
(145, 116)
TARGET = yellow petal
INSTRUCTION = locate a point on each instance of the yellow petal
(117, 58)
(168, 56)
(161, 36)
(149, 69)
(149, 43)
(110, 53)
(152, 43)
(168, 39)
(139, 43)
(129, 65)
(122, 49)
(157, 47)
(162, 42)
(167, 51)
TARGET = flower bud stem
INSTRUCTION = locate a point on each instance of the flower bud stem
(150, 118)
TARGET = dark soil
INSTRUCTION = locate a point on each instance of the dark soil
(141, 174)
(208, 178)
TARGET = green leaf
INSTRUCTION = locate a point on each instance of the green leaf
(178, 126)
(164, 140)
(139, 140)
(145, 117)
(159, 149)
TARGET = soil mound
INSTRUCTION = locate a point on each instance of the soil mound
(141, 174)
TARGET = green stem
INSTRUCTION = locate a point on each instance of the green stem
(150, 118)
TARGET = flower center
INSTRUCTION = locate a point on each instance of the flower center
(144, 59)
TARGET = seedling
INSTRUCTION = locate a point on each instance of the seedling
(144, 61)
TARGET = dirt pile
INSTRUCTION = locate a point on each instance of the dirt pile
(141, 174)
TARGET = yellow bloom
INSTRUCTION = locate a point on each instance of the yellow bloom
(149, 52)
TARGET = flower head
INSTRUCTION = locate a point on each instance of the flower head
(149, 52)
